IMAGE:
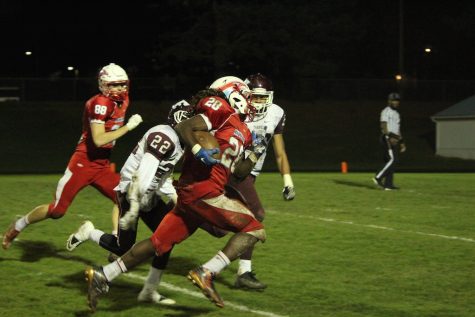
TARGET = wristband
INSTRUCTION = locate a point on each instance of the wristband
(195, 149)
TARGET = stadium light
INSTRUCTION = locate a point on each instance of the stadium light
(398, 77)
(28, 53)
(427, 50)
(70, 68)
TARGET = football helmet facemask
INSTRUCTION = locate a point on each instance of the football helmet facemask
(237, 94)
(262, 93)
(113, 82)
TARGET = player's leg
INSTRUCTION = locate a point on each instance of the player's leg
(173, 229)
(388, 157)
(73, 180)
(105, 181)
(394, 158)
(149, 291)
(246, 278)
(227, 214)
(111, 242)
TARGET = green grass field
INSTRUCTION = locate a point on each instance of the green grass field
(341, 248)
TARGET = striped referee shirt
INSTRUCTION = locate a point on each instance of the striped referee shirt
(393, 120)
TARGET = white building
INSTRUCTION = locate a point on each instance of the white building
(455, 130)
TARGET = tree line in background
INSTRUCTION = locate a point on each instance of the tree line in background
(207, 38)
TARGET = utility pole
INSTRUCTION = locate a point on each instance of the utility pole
(401, 38)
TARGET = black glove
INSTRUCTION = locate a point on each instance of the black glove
(288, 192)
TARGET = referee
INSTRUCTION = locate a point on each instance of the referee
(392, 142)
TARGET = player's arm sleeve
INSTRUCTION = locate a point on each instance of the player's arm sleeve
(98, 114)
(169, 190)
(146, 172)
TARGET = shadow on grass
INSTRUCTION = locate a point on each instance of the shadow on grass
(355, 184)
(34, 251)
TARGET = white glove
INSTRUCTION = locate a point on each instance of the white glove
(134, 121)
(129, 220)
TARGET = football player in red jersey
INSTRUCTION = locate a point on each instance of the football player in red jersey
(200, 190)
(103, 123)
(145, 191)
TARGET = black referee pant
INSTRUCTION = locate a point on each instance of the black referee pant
(391, 158)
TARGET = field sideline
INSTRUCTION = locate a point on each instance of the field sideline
(342, 248)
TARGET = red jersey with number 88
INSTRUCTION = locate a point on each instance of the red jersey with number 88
(101, 109)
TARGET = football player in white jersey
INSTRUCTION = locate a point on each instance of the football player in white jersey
(268, 124)
(145, 179)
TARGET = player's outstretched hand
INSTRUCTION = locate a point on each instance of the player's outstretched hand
(134, 121)
(288, 192)
(129, 220)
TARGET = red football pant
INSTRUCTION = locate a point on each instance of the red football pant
(79, 174)
(183, 220)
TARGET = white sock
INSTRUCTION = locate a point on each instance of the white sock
(217, 263)
(21, 223)
(153, 278)
(96, 235)
(114, 269)
(244, 266)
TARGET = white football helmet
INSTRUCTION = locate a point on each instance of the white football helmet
(113, 82)
(262, 93)
(237, 93)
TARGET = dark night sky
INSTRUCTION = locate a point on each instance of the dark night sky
(359, 39)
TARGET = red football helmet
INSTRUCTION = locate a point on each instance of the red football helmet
(113, 82)
(262, 93)
(237, 94)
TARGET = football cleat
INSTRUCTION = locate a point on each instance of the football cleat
(151, 296)
(97, 284)
(248, 280)
(80, 236)
(378, 182)
(391, 188)
(203, 279)
(9, 235)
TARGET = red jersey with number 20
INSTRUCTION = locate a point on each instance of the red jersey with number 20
(200, 181)
(101, 109)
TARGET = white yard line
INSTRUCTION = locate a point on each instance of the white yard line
(200, 295)
(372, 226)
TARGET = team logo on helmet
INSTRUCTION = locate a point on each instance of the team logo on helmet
(179, 112)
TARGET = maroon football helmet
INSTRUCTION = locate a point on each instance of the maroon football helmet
(262, 93)
(179, 112)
